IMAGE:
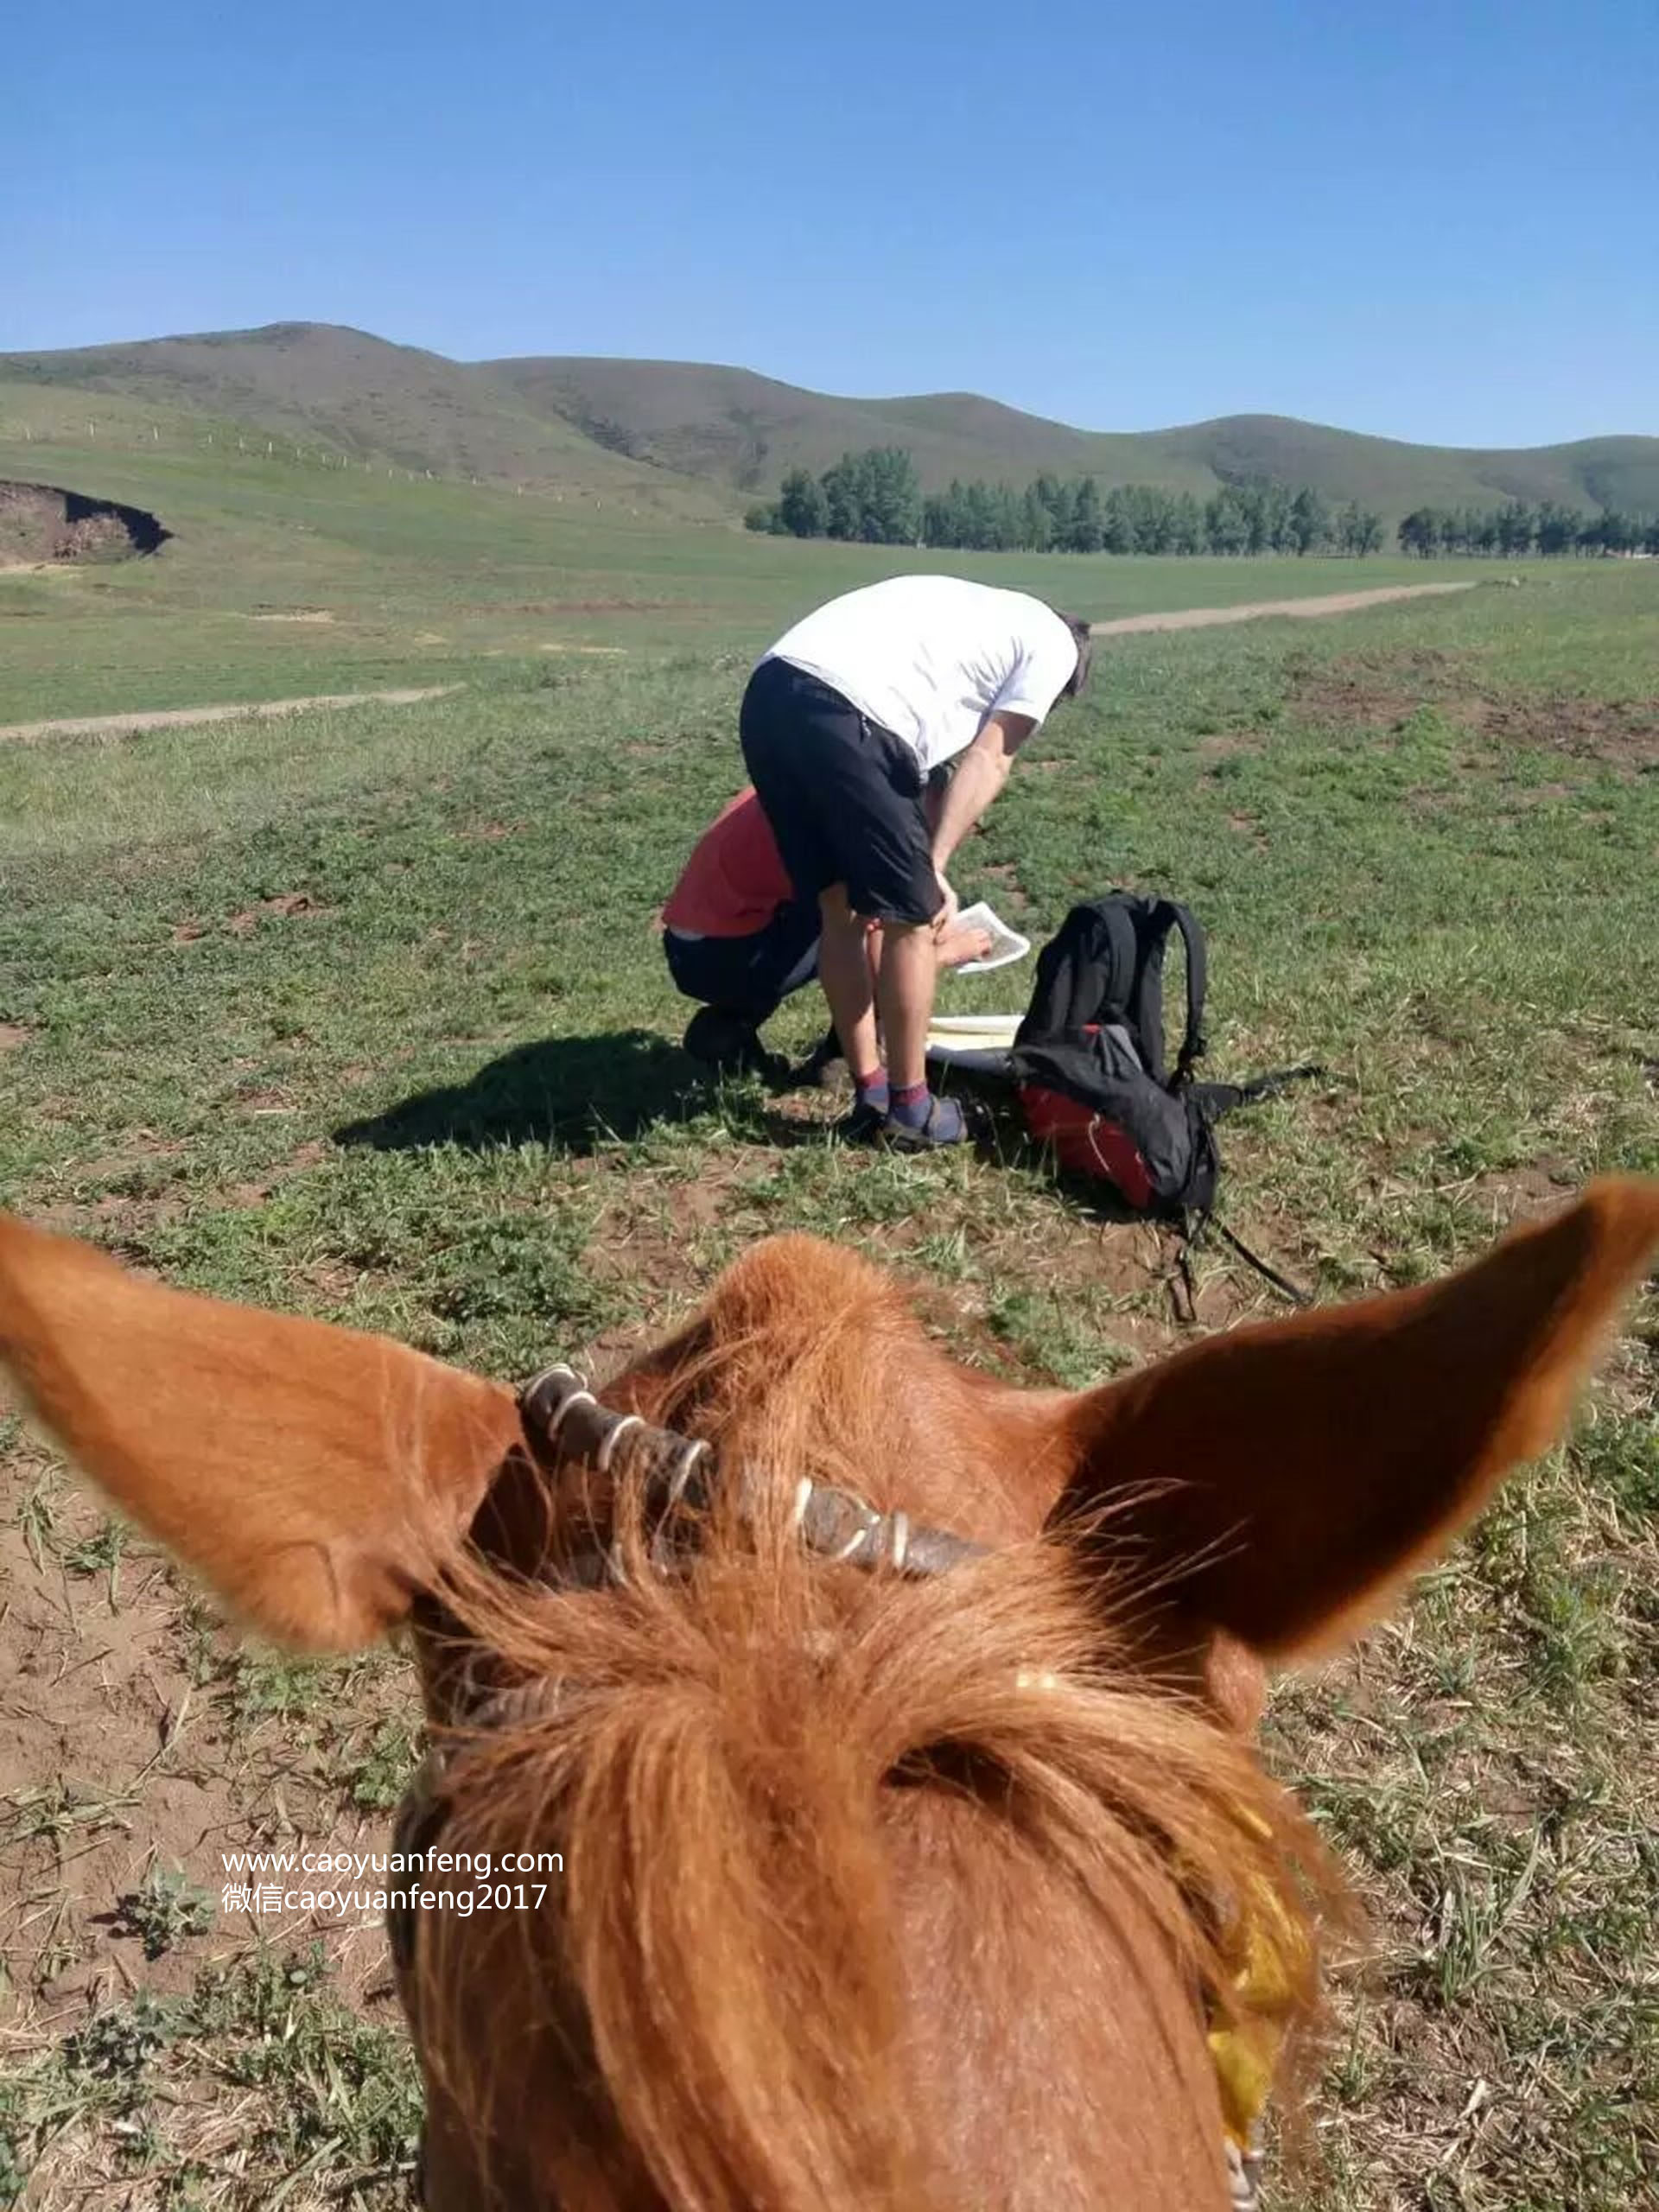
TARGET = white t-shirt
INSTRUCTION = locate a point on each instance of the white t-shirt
(929, 657)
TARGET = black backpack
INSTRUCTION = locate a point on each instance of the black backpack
(1090, 1060)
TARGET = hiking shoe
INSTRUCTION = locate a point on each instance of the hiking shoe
(946, 1124)
(825, 1065)
(728, 1043)
(863, 1125)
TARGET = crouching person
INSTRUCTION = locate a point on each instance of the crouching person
(738, 939)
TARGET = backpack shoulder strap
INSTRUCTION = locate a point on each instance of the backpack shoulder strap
(1193, 1044)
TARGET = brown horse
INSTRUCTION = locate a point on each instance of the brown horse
(883, 1887)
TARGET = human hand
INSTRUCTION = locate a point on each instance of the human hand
(957, 946)
(946, 918)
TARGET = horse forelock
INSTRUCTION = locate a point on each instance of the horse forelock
(717, 2002)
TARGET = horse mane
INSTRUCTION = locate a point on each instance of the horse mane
(711, 1993)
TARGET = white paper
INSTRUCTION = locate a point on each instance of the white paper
(997, 1027)
(1007, 945)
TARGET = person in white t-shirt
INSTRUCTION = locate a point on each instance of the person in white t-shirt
(842, 724)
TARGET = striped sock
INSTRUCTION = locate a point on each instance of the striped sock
(910, 1105)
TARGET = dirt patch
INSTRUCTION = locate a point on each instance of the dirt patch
(1010, 892)
(1624, 733)
(188, 717)
(284, 907)
(1225, 744)
(1379, 690)
(44, 525)
(13, 1034)
(1368, 692)
(605, 606)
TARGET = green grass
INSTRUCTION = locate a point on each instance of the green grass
(365, 1017)
(287, 580)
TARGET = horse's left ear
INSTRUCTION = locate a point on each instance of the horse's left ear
(1280, 1481)
(317, 1478)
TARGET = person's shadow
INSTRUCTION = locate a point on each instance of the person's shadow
(578, 1091)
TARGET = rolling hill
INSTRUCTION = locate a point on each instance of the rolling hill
(695, 439)
(746, 431)
(352, 395)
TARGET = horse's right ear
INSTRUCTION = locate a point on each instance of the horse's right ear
(1280, 1481)
(316, 1478)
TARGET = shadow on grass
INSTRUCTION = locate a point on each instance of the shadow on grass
(583, 1093)
(580, 1092)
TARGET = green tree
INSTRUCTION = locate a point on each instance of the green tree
(1558, 528)
(1307, 523)
(1008, 517)
(840, 485)
(1517, 527)
(1117, 522)
(1186, 525)
(802, 506)
(761, 518)
(1084, 531)
(890, 497)
(979, 518)
(1226, 523)
(1037, 524)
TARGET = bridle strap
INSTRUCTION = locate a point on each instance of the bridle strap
(564, 1425)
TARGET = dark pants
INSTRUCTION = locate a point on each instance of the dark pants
(842, 796)
(749, 976)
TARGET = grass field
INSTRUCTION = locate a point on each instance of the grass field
(285, 579)
(365, 1017)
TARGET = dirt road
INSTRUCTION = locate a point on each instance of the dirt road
(183, 717)
(1186, 618)
(1202, 617)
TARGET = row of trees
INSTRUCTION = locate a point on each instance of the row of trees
(1518, 529)
(876, 497)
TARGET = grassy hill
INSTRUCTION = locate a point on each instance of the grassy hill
(686, 438)
(747, 430)
(341, 392)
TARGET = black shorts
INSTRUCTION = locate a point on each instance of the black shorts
(843, 796)
(753, 974)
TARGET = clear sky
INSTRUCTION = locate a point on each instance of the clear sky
(1438, 220)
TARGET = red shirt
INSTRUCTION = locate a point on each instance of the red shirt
(734, 881)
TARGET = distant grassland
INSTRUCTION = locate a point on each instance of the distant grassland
(285, 578)
(364, 1016)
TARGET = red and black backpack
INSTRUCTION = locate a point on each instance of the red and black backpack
(1090, 1061)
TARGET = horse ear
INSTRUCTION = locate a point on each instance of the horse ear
(316, 1478)
(1285, 1478)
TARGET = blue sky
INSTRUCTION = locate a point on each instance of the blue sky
(1439, 222)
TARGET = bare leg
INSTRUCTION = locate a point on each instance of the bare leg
(909, 972)
(844, 972)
